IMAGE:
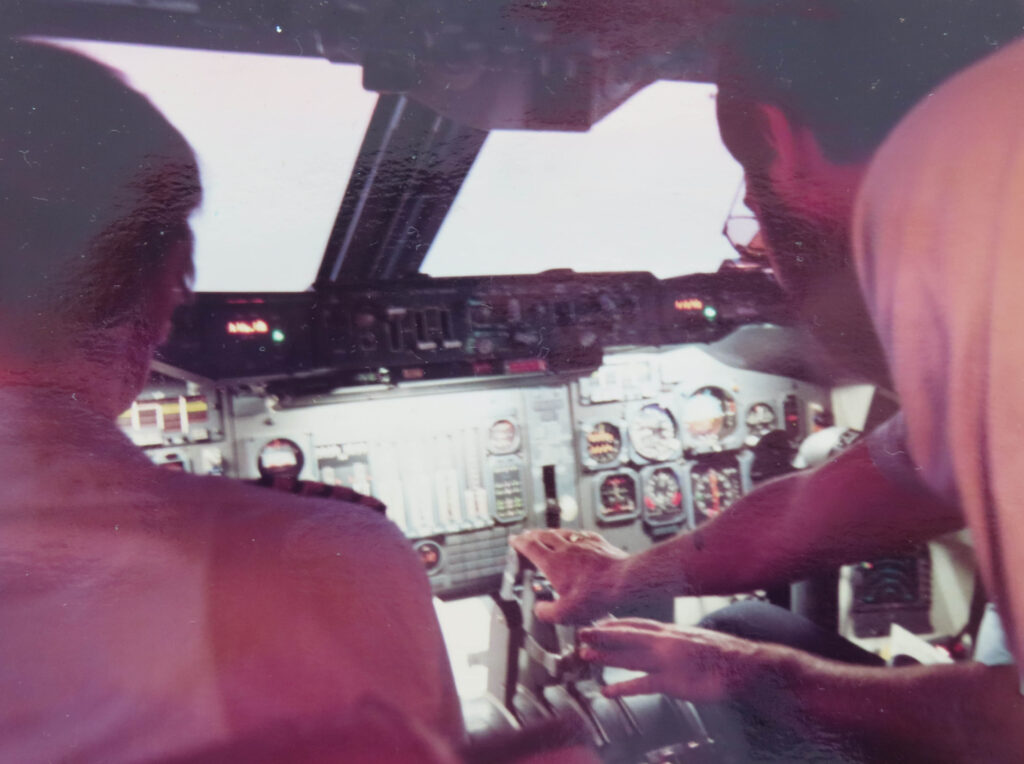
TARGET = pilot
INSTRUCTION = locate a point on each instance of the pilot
(146, 613)
(804, 102)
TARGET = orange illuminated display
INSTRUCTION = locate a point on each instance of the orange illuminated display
(526, 366)
(689, 303)
(248, 327)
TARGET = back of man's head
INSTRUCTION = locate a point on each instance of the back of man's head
(850, 69)
(96, 189)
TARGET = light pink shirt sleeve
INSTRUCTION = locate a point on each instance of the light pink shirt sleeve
(939, 245)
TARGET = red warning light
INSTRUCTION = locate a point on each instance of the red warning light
(526, 366)
(689, 303)
(258, 326)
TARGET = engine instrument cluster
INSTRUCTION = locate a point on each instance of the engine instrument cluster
(667, 438)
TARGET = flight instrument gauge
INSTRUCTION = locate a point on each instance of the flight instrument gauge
(604, 444)
(654, 434)
(617, 498)
(663, 496)
(503, 437)
(280, 458)
(430, 555)
(714, 489)
(710, 415)
(761, 420)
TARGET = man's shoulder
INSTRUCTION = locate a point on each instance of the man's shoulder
(976, 110)
(236, 513)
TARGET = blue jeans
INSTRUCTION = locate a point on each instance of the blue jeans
(751, 734)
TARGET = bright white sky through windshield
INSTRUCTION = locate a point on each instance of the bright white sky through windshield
(647, 188)
(276, 138)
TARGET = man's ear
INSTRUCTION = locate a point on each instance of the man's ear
(173, 287)
(788, 143)
(798, 153)
(802, 173)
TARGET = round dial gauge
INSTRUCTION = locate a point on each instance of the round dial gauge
(710, 415)
(618, 497)
(280, 458)
(663, 496)
(654, 434)
(714, 489)
(430, 555)
(761, 420)
(604, 443)
(503, 437)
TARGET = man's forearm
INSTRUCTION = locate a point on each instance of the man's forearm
(949, 713)
(842, 512)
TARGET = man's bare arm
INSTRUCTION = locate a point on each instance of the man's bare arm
(843, 511)
(949, 713)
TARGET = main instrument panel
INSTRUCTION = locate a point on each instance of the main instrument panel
(472, 407)
(654, 441)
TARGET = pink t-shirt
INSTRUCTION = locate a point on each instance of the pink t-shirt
(145, 614)
(939, 246)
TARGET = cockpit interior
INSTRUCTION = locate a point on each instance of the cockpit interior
(430, 309)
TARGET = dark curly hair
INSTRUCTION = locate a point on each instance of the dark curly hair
(848, 70)
(95, 189)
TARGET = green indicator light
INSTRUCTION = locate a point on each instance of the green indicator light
(277, 335)
(710, 313)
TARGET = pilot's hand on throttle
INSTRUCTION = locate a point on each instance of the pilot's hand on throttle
(585, 570)
(688, 663)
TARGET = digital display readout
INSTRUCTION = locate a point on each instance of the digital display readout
(688, 304)
(257, 326)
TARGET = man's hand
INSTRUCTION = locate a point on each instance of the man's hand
(586, 571)
(689, 663)
(945, 713)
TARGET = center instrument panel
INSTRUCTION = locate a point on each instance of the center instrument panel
(470, 406)
(654, 441)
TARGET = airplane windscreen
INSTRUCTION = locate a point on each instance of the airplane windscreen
(276, 139)
(647, 188)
